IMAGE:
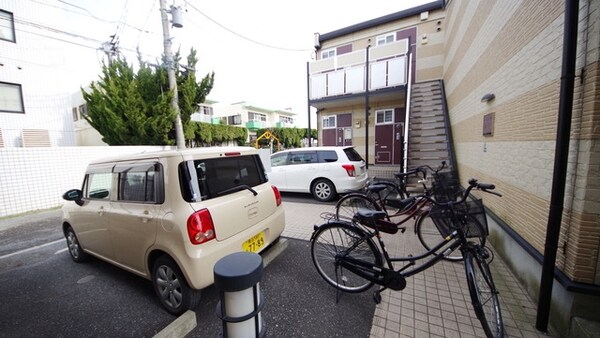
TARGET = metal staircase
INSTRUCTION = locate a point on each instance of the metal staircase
(429, 138)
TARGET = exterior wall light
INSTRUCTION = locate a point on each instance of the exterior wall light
(488, 97)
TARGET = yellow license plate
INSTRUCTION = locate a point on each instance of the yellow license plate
(255, 243)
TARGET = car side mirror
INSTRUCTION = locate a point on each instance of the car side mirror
(74, 195)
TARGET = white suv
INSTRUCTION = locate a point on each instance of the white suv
(322, 171)
(169, 216)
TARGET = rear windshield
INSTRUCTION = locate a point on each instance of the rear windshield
(209, 178)
(353, 155)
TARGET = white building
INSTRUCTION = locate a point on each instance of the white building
(37, 52)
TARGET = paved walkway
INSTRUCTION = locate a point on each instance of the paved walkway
(435, 303)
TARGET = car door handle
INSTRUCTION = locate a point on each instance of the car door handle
(146, 216)
(100, 211)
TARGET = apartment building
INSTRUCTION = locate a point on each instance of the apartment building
(479, 83)
(35, 66)
(361, 80)
(254, 117)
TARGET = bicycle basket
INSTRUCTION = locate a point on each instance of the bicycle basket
(446, 186)
(470, 216)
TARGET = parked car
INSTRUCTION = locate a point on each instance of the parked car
(169, 216)
(322, 171)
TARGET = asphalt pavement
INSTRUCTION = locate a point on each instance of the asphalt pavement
(46, 294)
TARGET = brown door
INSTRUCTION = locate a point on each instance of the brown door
(384, 144)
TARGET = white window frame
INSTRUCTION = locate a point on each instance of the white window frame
(7, 26)
(386, 39)
(252, 116)
(388, 116)
(286, 119)
(11, 98)
(328, 53)
(327, 121)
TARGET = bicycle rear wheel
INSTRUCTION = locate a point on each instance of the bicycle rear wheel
(430, 236)
(484, 295)
(333, 240)
(347, 206)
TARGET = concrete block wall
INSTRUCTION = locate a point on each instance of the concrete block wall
(35, 178)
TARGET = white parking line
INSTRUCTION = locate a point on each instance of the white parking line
(31, 249)
(61, 251)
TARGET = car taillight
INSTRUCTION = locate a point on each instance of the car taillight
(349, 169)
(277, 195)
(200, 227)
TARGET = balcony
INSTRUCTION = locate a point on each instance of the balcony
(255, 125)
(345, 73)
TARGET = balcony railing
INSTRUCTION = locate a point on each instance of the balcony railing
(254, 125)
(345, 74)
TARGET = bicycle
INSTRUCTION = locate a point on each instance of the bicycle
(389, 196)
(444, 188)
(347, 257)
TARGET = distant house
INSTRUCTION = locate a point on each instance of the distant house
(478, 83)
(254, 117)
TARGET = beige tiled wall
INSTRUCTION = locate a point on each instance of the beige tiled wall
(514, 50)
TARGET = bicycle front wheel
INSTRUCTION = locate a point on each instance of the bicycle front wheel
(430, 236)
(348, 206)
(330, 242)
(484, 295)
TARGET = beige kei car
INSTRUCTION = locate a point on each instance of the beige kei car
(169, 216)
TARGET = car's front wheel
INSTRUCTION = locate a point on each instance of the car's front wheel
(323, 190)
(172, 289)
(77, 253)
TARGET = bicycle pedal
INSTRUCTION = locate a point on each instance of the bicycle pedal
(402, 229)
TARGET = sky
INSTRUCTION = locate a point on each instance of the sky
(258, 49)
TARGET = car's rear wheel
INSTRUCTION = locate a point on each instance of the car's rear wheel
(323, 190)
(172, 289)
(77, 253)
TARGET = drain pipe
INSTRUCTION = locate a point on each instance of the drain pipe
(561, 155)
(367, 109)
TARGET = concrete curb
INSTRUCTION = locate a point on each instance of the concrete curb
(180, 327)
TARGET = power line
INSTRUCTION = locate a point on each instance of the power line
(245, 37)
(51, 29)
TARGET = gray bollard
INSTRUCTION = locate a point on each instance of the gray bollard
(236, 278)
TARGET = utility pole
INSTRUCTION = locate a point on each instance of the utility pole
(171, 73)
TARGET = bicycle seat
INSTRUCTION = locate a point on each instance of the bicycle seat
(375, 219)
(376, 187)
(400, 204)
(370, 214)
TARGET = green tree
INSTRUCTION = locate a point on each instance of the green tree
(129, 108)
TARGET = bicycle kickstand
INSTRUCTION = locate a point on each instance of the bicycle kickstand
(377, 294)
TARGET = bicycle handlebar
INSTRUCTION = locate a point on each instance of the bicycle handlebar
(485, 187)
(423, 170)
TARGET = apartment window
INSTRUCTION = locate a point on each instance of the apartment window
(234, 120)
(385, 39)
(75, 114)
(83, 110)
(11, 98)
(329, 121)
(286, 119)
(205, 110)
(328, 53)
(257, 117)
(385, 116)
(7, 26)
